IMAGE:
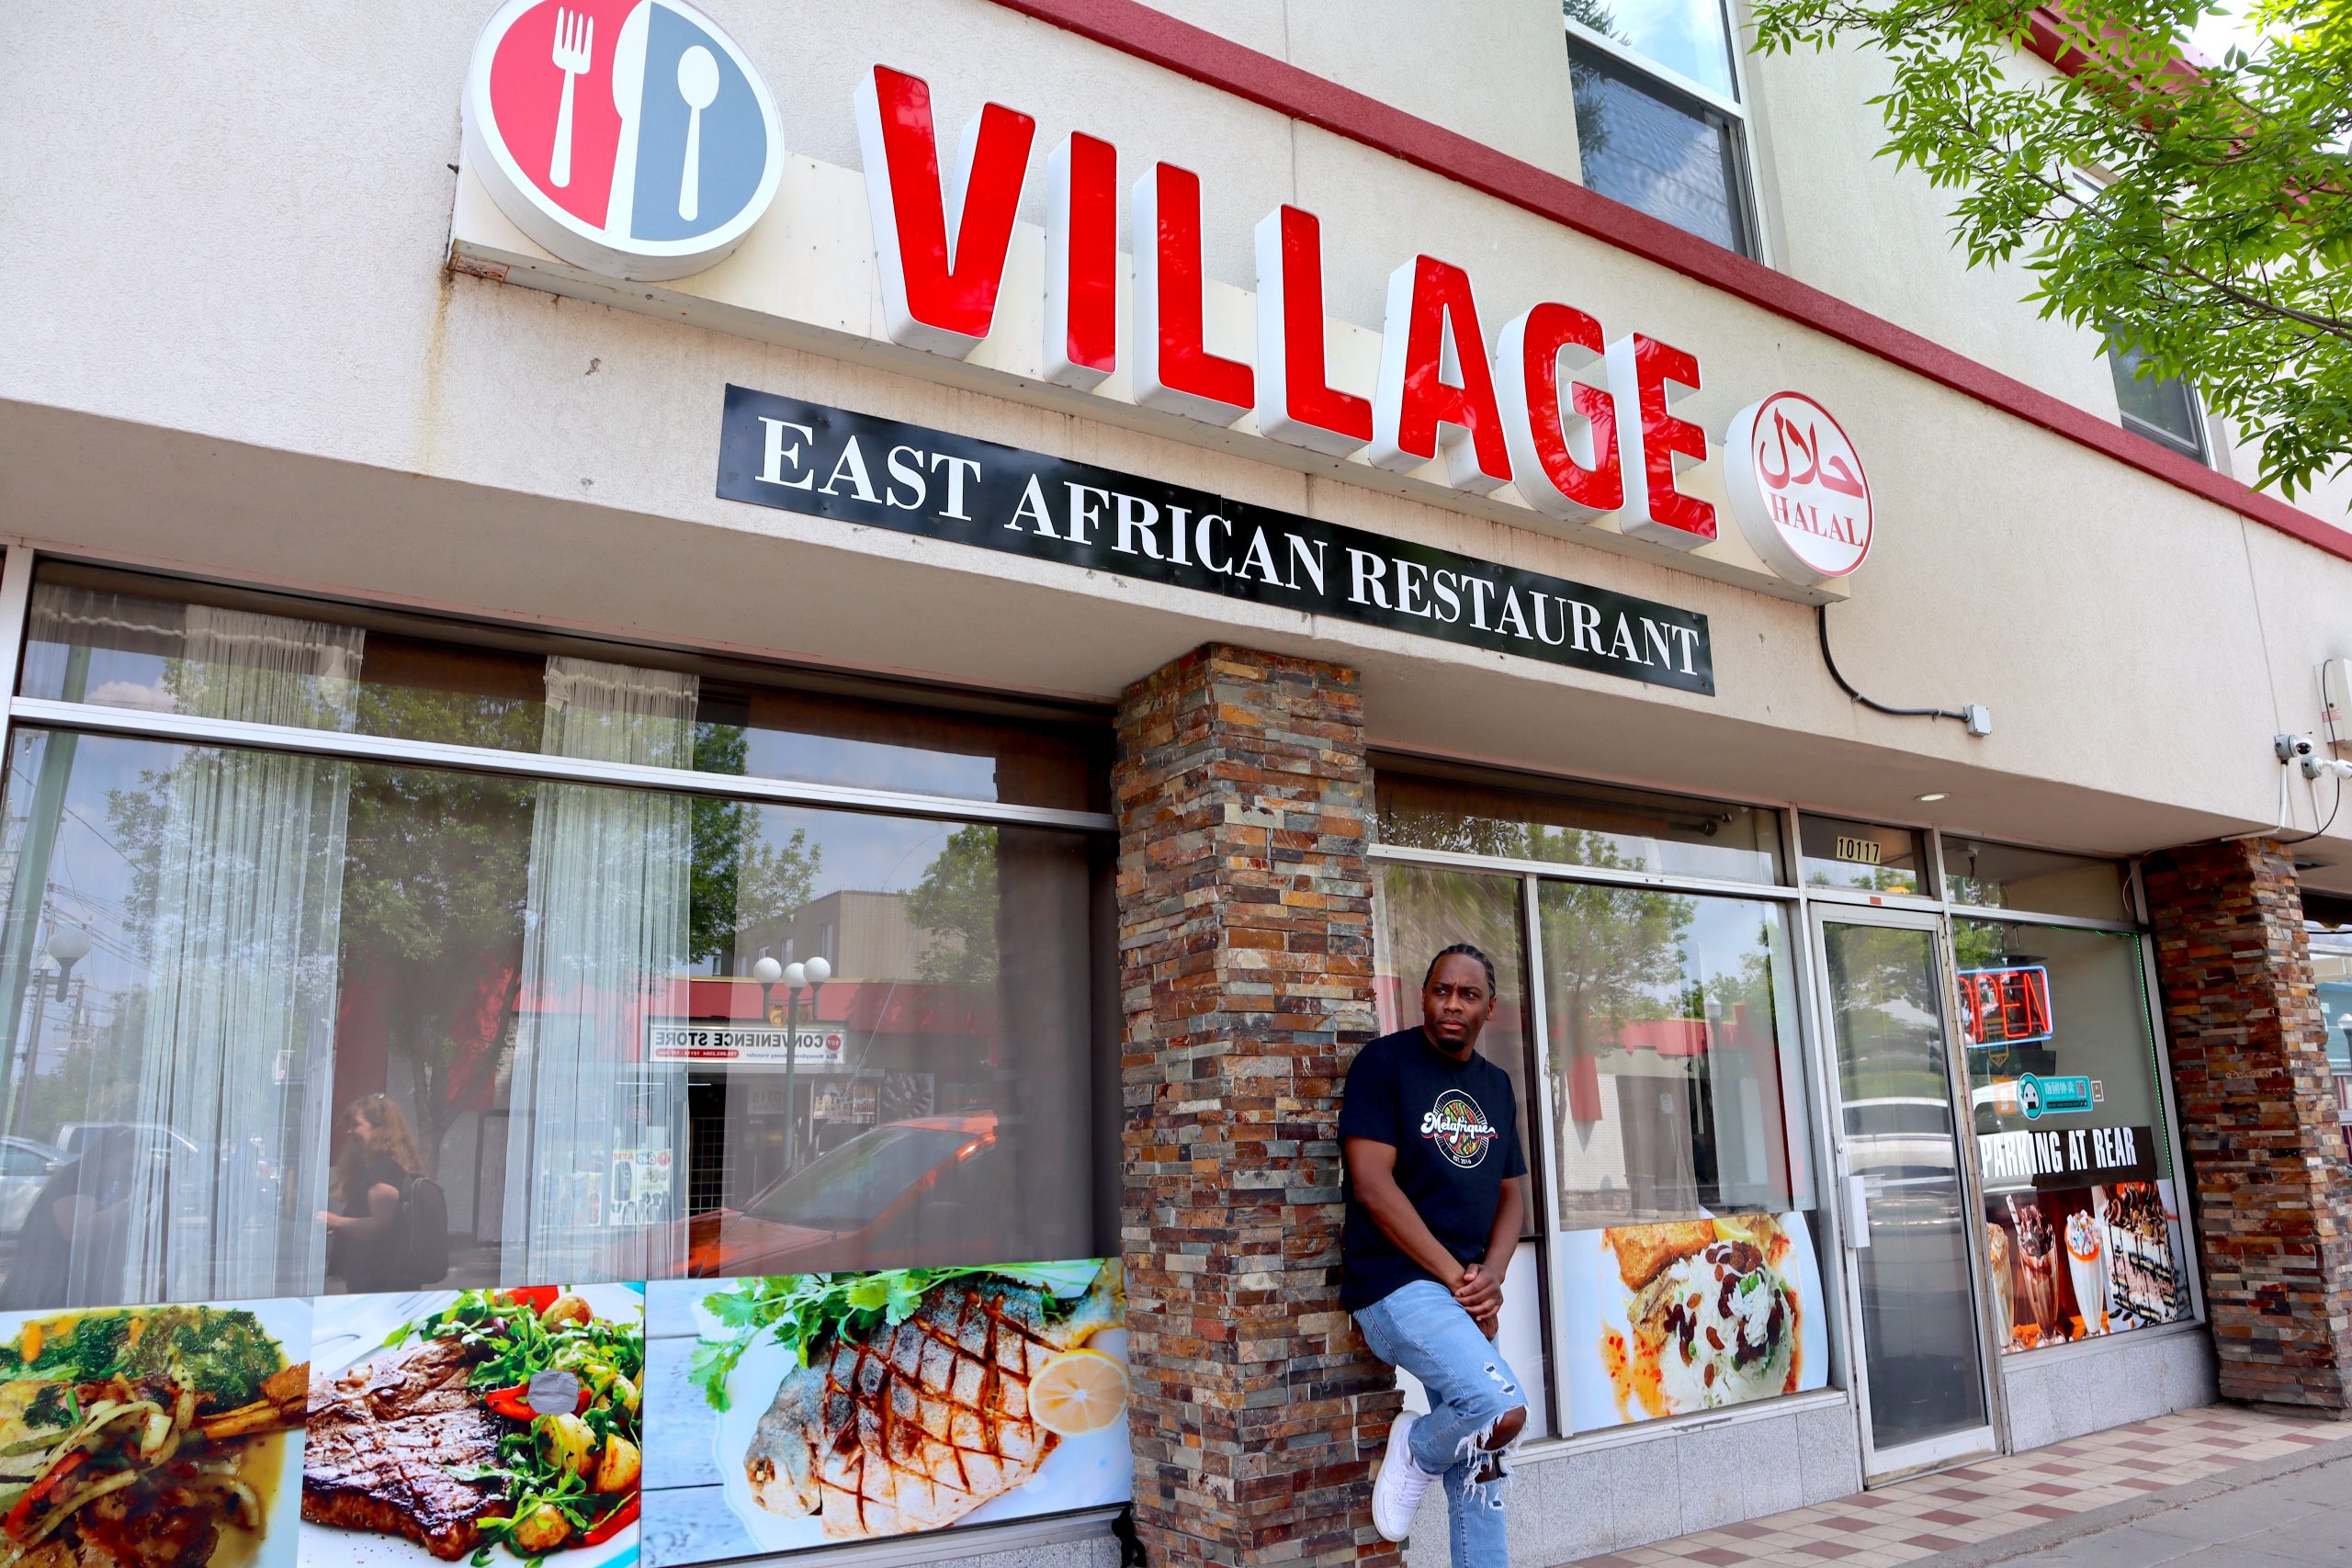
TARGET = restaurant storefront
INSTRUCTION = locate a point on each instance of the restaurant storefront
(713, 844)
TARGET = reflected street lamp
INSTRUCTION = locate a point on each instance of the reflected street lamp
(797, 977)
(68, 945)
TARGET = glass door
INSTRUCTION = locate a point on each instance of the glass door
(1919, 1349)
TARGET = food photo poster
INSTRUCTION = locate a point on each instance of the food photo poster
(155, 1434)
(811, 1410)
(2076, 1262)
(499, 1426)
(1683, 1316)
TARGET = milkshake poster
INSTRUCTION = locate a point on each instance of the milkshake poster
(2077, 1263)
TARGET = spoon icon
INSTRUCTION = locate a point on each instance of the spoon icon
(698, 85)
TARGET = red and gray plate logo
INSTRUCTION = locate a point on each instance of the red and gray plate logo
(632, 138)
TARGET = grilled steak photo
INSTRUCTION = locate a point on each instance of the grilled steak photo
(384, 1439)
(911, 1427)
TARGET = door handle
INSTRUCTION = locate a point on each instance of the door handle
(1858, 1213)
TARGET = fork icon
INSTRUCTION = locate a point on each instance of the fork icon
(575, 35)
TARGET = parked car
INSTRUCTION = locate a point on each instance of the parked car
(26, 1165)
(155, 1138)
(926, 1190)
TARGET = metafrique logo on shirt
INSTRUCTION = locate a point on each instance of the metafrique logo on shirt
(1459, 1128)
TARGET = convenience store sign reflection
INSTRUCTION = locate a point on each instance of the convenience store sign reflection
(749, 1047)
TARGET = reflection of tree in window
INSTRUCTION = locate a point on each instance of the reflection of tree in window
(1882, 981)
(955, 909)
(434, 888)
(1670, 1081)
(740, 882)
(1612, 957)
(1593, 125)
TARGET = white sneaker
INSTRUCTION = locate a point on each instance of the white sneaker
(1398, 1491)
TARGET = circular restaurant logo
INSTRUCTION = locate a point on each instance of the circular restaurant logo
(1797, 488)
(1459, 1128)
(2029, 1097)
(628, 136)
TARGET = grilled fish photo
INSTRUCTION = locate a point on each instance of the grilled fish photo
(911, 1427)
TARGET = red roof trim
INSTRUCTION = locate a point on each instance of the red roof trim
(2043, 40)
(1135, 29)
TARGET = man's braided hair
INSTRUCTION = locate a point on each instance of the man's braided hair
(1469, 952)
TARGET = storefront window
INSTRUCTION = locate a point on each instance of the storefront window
(1421, 911)
(2040, 882)
(243, 991)
(2331, 968)
(1688, 1264)
(1676, 1080)
(126, 640)
(1430, 806)
(1677, 1176)
(2083, 1207)
(1839, 853)
(2331, 944)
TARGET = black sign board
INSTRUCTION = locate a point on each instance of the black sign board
(828, 462)
(2073, 1157)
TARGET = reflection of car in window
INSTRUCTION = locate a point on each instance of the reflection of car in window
(153, 1138)
(25, 1167)
(918, 1191)
(1900, 1137)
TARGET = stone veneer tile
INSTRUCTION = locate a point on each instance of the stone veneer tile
(1242, 790)
(2274, 1198)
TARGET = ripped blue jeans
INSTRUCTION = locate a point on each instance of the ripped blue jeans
(1422, 1329)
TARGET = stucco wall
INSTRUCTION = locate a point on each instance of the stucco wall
(234, 348)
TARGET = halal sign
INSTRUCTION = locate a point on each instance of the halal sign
(1797, 488)
(628, 136)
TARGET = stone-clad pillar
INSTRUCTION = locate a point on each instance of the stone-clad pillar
(1245, 942)
(2273, 1198)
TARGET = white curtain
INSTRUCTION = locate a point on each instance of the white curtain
(236, 1035)
(604, 936)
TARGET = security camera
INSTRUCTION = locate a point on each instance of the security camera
(2290, 747)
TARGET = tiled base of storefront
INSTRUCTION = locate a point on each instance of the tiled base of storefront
(1977, 1503)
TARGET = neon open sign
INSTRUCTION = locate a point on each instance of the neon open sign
(2006, 1007)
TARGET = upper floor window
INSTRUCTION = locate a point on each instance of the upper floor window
(2162, 408)
(1659, 123)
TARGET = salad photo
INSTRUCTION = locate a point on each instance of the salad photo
(847, 1406)
(494, 1424)
(150, 1436)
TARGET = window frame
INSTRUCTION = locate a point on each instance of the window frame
(1822, 1136)
(1096, 829)
(1746, 191)
(2198, 448)
(17, 582)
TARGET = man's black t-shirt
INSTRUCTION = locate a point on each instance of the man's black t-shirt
(1455, 1126)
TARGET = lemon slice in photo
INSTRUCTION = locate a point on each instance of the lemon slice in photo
(1078, 1392)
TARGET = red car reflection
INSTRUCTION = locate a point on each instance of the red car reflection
(918, 1192)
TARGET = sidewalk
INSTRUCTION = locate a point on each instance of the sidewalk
(2141, 1493)
(2298, 1518)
